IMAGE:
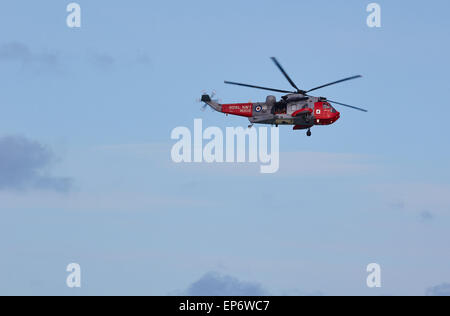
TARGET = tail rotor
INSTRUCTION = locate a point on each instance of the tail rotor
(206, 98)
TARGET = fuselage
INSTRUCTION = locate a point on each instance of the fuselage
(293, 109)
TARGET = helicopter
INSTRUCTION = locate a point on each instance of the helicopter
(296, 108)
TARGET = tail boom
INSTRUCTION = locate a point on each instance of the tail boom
(239, 109)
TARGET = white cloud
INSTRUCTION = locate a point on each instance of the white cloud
(90, 201)
(325, 164)
(291, 163)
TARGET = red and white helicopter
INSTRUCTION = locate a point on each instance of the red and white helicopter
(296, 108)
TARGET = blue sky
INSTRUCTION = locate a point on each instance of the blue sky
(95, 106)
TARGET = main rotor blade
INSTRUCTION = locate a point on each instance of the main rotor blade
(335, 82)
(284, 73)
(257, 87)
(350, 106)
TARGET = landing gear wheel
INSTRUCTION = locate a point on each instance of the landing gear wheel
(308, 133)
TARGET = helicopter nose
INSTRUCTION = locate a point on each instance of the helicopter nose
(336, 116)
